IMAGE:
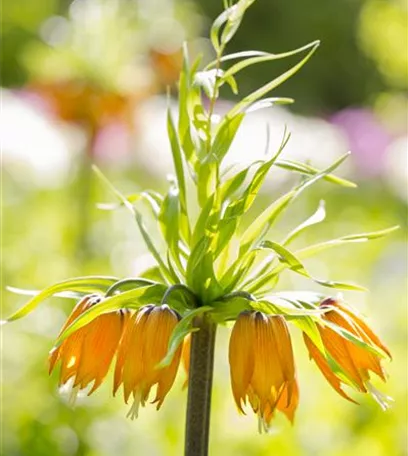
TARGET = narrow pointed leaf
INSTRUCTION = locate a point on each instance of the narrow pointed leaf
(261, 92)
(266, 219)
(87, 285)
(254, 57)
(308, 170)
(183, 328)
(314, 219)
(294, 264)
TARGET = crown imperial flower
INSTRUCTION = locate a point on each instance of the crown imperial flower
(144, 344)
(355, 361)
(262, 366)
(87, 354)
(216, 268)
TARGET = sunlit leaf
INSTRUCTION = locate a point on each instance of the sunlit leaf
(178, 165)
(250, 58)
(265, 220)
(294, 264)
(152, 249)
(314, 250)
(268, 103)
(225, 136)
(229, 309)
(169, 224)
(139, 220)
(349, 239)
(86, 285)
(308, 170)
(152, 198)
(317, 217)
(261, 92)
(182, 329)
(62, 294)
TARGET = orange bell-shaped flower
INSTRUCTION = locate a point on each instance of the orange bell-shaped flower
(262, 366)
(86, 354)
(144, 344)
(355, 361)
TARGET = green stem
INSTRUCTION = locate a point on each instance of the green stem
(199, 387)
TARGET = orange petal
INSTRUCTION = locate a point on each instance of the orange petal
(289, 400)
(241, 356)
(268, 377)
(324, 367)
(338, 347)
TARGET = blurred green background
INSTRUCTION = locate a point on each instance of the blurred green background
(83, 82)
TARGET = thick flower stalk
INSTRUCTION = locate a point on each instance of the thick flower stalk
(218, 268)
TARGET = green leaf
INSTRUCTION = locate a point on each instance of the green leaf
(225, 136)
(178, 165)
(233, 84)
(182, 329)
(234, 211)
(310, 328)
(255, 57)
(229, 309)
(308, 170)
(133, 299)
(152, 198)
(235, 56)
(285, 256)
(349, 239)
(139, 220)
(318, 216)
(265, 220)
(281, 307)
(62, 294)
(235, 17)
(184, 124)
(196, 257)
(231, 19)
(206, 222)
(262, 91)
(237, 271)
(152, 249)
(294, 264)
(315, 249)
(169, 224)
(127, 284)
(215, 29)
(267, 217)
(86, 285)
(268, 103)
(234, 183)
(207, 180)
(208, 81)
(153, 273)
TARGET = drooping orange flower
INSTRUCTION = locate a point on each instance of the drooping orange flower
(355, 361)
(86, 355)
(144, 344)
(262, 366)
